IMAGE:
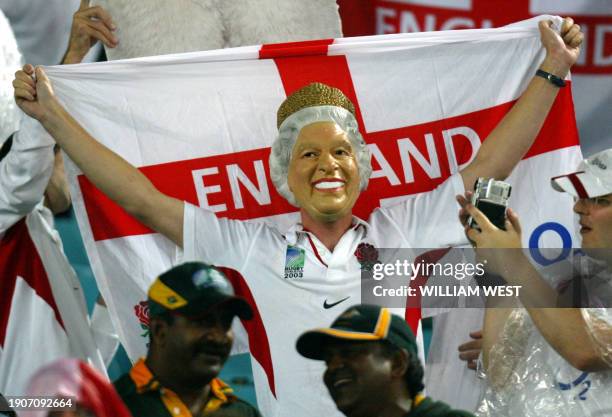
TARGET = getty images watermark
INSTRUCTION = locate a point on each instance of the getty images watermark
(457, 278)
(451, 272)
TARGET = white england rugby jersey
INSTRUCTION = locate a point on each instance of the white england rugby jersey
(297, 284)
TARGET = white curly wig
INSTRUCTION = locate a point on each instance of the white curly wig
(280, 156)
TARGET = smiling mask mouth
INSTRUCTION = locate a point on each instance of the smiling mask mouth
(328, 185)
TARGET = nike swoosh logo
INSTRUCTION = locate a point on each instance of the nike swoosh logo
(327, 306)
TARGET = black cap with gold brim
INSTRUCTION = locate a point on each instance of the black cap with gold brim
(359, 323)
(192, 289)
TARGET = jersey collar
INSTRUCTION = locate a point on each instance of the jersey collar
(297, 231)
(145, 381)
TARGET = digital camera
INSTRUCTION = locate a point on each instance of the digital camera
(491, 197)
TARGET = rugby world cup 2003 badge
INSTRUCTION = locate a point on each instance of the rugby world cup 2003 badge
(294, 262)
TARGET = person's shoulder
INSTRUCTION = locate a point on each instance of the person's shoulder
(459, 413)
(148, 403)
(125, 386)
(431, 408)
(240, 408)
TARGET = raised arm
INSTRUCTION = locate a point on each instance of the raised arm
(561, 327)
(119, 180)
(89, 26)
(514, 135)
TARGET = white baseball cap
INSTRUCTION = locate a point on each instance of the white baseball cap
(593, 178)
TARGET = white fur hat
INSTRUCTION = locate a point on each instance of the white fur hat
(157, 27)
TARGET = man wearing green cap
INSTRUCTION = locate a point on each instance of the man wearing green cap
(191, 309)
(373, 367)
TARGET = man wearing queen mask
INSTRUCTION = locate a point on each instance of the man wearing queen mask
(320, 163)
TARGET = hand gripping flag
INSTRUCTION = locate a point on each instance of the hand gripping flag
(199, 126)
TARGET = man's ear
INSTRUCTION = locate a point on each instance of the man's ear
(399, 363)
(159, 330)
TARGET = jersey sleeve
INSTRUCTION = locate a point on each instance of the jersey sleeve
(218, 241)
(426, 220)
(25, 172)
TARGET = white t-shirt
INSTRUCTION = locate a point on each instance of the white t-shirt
(294, 277)
(10, 61)
(24, 172)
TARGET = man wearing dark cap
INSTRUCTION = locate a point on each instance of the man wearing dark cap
(372, 365)
(191, 309)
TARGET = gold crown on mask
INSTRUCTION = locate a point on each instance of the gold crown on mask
(315, 94)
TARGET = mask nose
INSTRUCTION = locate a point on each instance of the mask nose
(216, 337)
(216, 330)
(327, 162)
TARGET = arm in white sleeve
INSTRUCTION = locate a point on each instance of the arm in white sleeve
(25, 172)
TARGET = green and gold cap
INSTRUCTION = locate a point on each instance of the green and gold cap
(359, 323)
(314, 94)
(193, 289)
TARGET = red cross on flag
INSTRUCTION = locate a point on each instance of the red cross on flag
(200, 126)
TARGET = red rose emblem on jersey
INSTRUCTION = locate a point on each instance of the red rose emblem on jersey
(367, 256)
(142, 313)
(141, 310)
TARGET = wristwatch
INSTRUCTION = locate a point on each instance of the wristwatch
(553, 79)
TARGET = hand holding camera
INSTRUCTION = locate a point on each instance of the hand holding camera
(491, 198)
(488, 224)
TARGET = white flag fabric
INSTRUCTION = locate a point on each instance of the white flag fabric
(43, 315)
(592, 73)
(200, 125)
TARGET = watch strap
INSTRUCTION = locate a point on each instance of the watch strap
(553, 79)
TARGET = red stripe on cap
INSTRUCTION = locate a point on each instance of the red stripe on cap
(259, 346)
(582, 193)
(292, 49)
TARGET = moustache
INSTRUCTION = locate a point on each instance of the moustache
(214, 348)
